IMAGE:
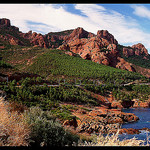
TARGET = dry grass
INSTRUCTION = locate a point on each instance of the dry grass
(113, 141)
(14, 130)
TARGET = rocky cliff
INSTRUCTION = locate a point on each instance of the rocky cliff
(101, 48)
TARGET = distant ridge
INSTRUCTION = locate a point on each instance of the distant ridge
(101, 48)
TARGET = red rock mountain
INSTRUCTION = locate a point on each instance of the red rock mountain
(101, 48)
(13, 36)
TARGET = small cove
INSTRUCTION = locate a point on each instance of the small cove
(143, 122)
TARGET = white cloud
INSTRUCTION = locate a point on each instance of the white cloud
(124, 28)
(141, 11)
(92, 18)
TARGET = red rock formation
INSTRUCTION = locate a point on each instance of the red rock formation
(141, 104)
(116, 105)
(140, 49)
(103, 120)
(104, 34)
(124, 65)
(137, 49)
(128, 52)
(78, 33)
(100, 48)
(129, 131)
(5, 22)
(89, 46)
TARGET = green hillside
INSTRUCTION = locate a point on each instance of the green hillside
(55, 62)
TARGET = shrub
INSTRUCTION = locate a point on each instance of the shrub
(46, 131)
(14, 130)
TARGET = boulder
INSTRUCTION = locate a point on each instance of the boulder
(73, 122)
(129, 117)
(116, 105)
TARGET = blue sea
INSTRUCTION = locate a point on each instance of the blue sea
(143, 122)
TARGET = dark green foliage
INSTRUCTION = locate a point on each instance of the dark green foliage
(46, 97)
(3, 64)
(55, 62)
(105, 50)
(130, 92)
(139, 61)
(96, 89)
(46, 131)
(141, 89)
(19, 56)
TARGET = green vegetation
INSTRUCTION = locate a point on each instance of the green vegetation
(13, 32)
(3, 64)
(47, 98)
(20, 56)
(131, 92)
(55, 62)
(139, 61)
(126, 93)
(46, 131)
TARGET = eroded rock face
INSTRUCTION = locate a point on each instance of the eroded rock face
(5, 22)
(140, 49)
(137, 49)
(128, 52)
(106, 37)
(100, 48)
(141, 104)
(90, 46)
(78, 33)
(124, 65)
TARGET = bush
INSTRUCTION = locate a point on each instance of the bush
(14, 130)
(46, 131)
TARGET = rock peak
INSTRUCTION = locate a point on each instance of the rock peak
(106, 35)
(140, 49)
(5, 22)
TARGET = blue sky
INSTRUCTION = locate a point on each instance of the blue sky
(129, 23)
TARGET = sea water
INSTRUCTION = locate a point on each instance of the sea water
(143, 122)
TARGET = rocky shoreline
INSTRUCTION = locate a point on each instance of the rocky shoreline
(102, 120)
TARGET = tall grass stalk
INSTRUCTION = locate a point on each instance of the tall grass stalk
(113, 140)
(14, 131)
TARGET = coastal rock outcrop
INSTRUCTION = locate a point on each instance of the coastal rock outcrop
(100, 120)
